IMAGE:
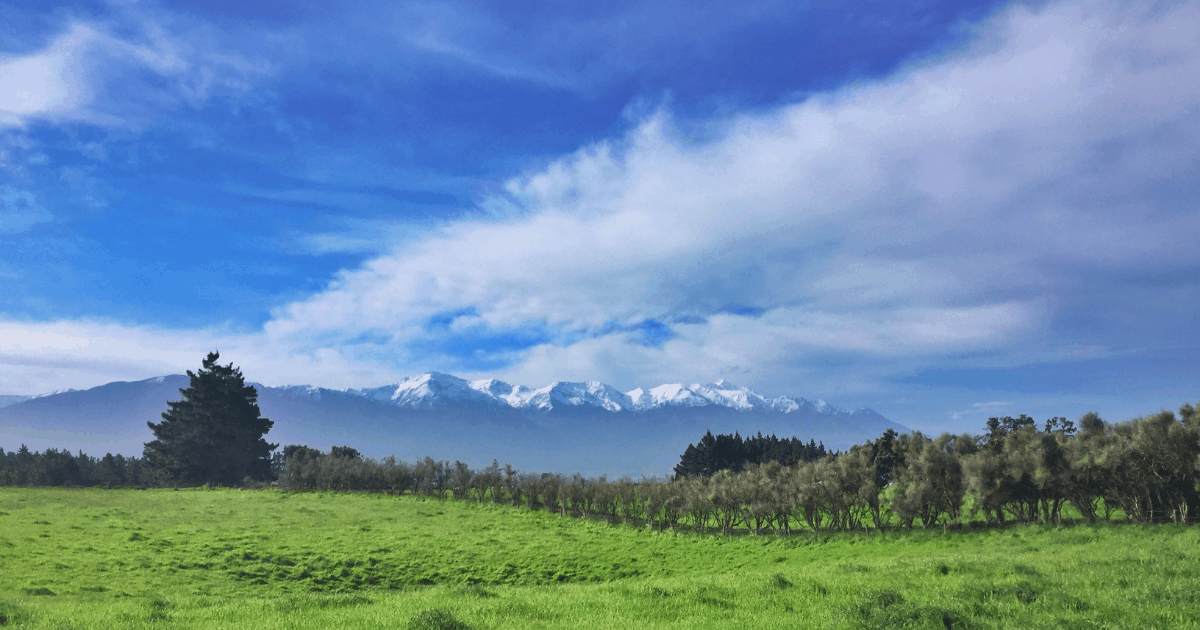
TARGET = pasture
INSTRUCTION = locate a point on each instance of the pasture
(261, 559)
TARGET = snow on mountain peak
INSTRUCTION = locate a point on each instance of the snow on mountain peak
(426, 391)
(436, 390)
(589, 393)
(492, 387)
(670, 394)
(504, 393)
(54, 393)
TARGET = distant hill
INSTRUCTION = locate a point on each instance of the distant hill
(12, 400)
(588, 427)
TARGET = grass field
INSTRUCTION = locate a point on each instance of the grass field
(84, 558)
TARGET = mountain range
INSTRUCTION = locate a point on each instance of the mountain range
(589, 427)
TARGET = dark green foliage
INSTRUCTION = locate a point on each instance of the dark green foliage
(716, 596)
(215, 433)
(114, 470)
(889, 609)
(731, 452)
(1146, 469)
(54, 467)
(886, 457)
(158, 610)
(930, 486)
(435, 619)
(475, 590)
(12, 615)
(1154, 464)
(1061, 425)
(300, 453)
(999, 428)
(345, 451)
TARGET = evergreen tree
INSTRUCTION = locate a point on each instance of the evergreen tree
(733, 452)
(25, 461)
(215, 433)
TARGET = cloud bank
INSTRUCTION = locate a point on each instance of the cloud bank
(959, 211)
(951, 209)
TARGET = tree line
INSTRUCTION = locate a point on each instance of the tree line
(54, 467)
(1146, 468)
(733, 453)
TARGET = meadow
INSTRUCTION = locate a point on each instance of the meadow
(197, 558)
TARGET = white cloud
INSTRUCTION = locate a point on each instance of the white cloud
(578, 49)
(44, 83)
(948, 211)
(89, 74)
(946, 202)
(979, 409)
(47, 356)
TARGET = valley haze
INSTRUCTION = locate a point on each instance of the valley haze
(588, 427)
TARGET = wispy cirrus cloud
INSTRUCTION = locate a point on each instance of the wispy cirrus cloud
(125, 71)
(980, 408)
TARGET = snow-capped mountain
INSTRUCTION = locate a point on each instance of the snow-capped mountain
(722, 393)
(437, 391)
(590, 426)
(427, 391)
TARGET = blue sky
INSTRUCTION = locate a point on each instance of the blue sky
(941, 210)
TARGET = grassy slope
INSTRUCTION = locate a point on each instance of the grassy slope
(262, 559)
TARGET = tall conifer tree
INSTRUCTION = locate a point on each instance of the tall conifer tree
(215, 433)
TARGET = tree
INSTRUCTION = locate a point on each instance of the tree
(215, 433)
(732, 452)
(25, 461)
(345, 451)
(112, 470)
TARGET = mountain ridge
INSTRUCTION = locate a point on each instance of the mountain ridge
(565, 426)
(429, 390)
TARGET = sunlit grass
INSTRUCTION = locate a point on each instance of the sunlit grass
(264, 559)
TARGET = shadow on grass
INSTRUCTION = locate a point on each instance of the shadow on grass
(12, 614)
(889, 609)
(299, 603)
(435, 619)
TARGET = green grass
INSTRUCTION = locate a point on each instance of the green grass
(264, 559)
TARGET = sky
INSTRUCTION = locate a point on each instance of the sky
(944, 211)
